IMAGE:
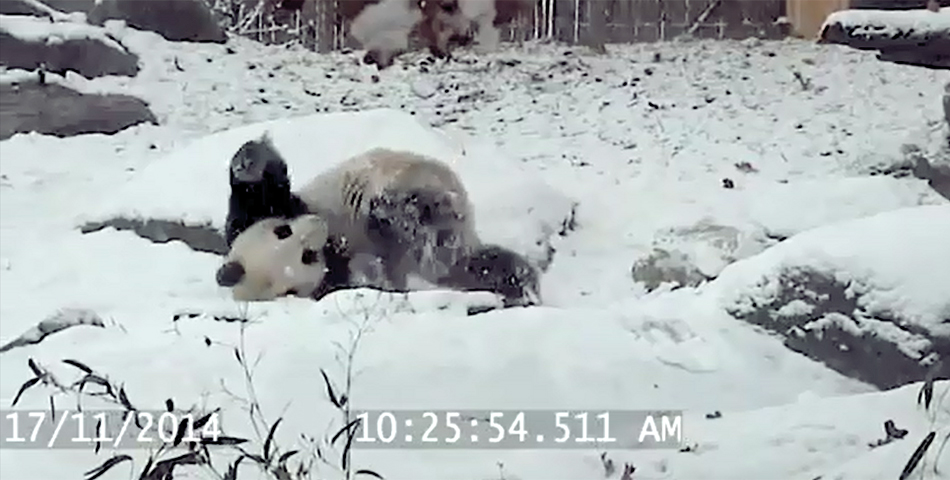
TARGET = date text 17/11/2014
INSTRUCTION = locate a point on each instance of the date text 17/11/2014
(518, 429)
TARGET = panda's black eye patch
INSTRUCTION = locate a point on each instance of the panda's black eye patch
(283, 231)
(309, 257)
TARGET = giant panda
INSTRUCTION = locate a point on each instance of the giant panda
(408, 211)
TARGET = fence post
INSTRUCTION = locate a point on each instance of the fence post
(326, 17)
(596, 25)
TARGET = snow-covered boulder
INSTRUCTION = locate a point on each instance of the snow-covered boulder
(917, 37)
(869, 297)
(184, 196)
(689, 255)
(55, 109)
(88, 50)
(664, 266)
(176, 20)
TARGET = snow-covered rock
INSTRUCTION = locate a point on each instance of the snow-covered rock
(869, 297)
(186, 193)
(29, 42)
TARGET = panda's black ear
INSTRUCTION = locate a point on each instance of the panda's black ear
(283, 231)
(230, 274)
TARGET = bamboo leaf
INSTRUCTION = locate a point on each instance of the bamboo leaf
(78, 364)
(29, 383)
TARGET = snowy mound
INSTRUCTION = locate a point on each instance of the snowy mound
(867, 296)
(190, 186)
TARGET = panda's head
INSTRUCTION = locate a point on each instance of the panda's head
(501, 271)
(277, 257)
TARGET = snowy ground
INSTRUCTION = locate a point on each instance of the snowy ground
(642, 139)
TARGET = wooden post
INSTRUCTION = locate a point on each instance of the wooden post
(807, 16)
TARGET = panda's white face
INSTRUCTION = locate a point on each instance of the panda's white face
(276, 257)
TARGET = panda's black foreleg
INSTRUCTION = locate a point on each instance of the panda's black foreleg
(260, 188)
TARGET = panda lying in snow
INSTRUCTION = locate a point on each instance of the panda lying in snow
(374, 220)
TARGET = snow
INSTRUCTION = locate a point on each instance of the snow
(891, 22)
(35, 29)
(643, 154)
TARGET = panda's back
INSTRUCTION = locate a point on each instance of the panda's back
(348, 186)
(342, 193)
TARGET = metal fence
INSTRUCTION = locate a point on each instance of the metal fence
(317, 26)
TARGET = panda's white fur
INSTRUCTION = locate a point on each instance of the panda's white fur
(275, 257)
(431, 221)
